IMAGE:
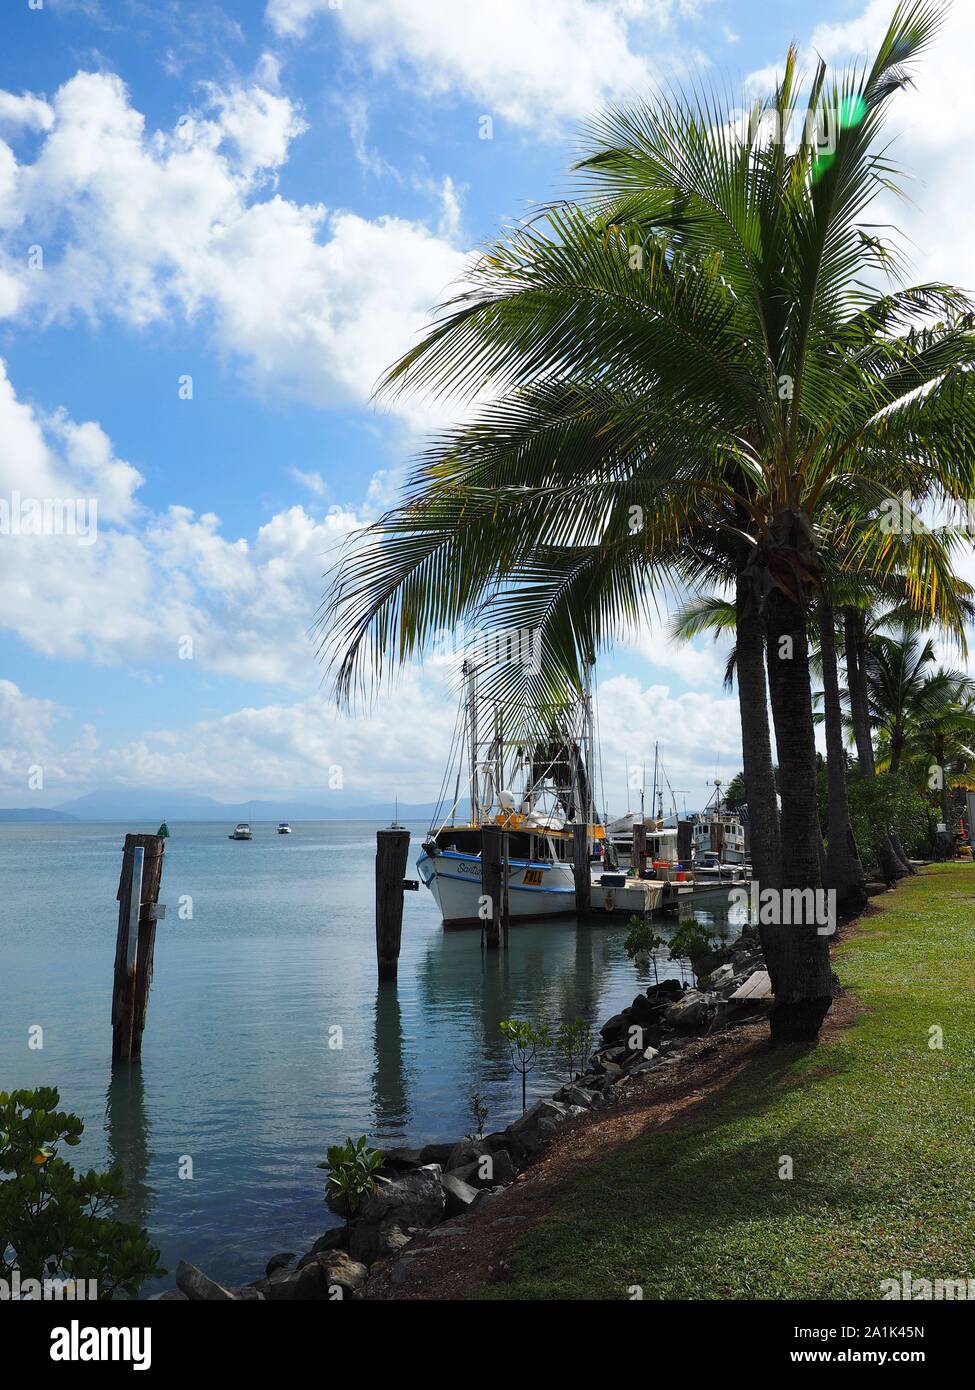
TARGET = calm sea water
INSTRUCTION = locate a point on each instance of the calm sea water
(237, 1069)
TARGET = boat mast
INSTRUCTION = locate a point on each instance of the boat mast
(587, 738)
(469, 671)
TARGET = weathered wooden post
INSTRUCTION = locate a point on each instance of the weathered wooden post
(492, 882)
(685, 852)
(138, 898)
(506, 875)
(639, 855)
(581, 871)
(392, 850)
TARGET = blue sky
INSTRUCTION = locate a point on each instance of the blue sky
(268, 198)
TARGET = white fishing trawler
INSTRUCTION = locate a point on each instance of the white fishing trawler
(533, 780)
(718, 841)
(530, 774)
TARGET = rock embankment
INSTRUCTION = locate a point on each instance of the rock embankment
(426, 1190)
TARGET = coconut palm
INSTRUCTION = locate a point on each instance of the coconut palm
(685, 352)
(942, 743)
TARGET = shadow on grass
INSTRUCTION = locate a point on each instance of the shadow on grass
(704, 1208)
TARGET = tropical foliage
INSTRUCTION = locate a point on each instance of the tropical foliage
(55, 1223)
(703, 372)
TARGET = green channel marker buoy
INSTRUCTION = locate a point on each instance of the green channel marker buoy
(163, 831)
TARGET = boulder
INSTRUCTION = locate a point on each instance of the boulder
(325, 1277)
(693, 1011)
(415, 1199)
(665, 992)
(335, 1239)
(376, 1241)
(458, 1194)
(487, 1194)
(168, 1296)
(394, 1209)
(537, 1125)
(404, 1158)
(465, 1152)
(577, 1095)
(490, 1170)
(721, 976)
(644, 1012)
(279, 1261)
(436, 1153)
(616, 1026)
(342, 1272)
(500, 1139)
(401, 1270)
(199, 1287)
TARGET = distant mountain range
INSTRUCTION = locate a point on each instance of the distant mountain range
(118, 804)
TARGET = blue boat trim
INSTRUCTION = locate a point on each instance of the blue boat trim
(476, 859)
(473, 859)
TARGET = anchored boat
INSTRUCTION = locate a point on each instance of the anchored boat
(528, 772)
(531, 775)
(241, 831)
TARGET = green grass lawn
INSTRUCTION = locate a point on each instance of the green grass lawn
(880, 1128)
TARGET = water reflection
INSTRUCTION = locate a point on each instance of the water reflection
(390, 1100)
(127, 1136)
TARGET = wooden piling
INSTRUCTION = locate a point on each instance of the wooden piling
(492, 882)
(392, 851)
(685, 849)
(581, 871)
(639, 856)
(505, 875)
(138, 895)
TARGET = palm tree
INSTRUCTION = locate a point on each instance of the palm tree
(684, 352)
(903, 691)
(943, 742)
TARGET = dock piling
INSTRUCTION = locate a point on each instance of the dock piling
(138, 896)
(492, 883)
(639, 856)
(685, 852)
(580, 867)
(392, 851)
(506, 876)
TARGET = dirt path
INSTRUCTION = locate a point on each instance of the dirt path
(452, 1260)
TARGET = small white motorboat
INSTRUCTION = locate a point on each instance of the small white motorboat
(284, 828)
(242, 831)
(709, 868)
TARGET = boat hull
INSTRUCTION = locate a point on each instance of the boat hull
(534, 889)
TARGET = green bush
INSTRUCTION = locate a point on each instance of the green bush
(888, 803)
(352, 1175)
(57, 1224)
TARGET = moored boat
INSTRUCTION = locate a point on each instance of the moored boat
(241, 831)
(528, 773)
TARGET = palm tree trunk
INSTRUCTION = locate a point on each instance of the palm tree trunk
(890, 864)
(756, 749)
(756, 739)
(856, 682)
(805, 989)
(844, 872)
